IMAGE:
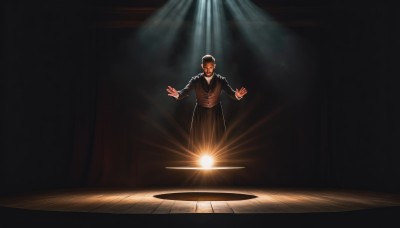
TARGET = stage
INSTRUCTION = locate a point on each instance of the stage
(198, 207)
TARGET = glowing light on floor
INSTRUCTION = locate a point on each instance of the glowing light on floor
(202, 168)
(206, 161)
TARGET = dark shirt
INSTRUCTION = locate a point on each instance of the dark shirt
(207, 95)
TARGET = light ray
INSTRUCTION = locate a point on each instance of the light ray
(163, 26)
(286, 58)
(197, 45)
(209, 19)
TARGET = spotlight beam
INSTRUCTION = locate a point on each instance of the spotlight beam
(198, 45)
(208, 27)
(280, 52)
(221, 35)
(263, 35)
(157, 35)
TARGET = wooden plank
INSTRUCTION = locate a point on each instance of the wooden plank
(249, 206)
(184, 207)
(323, 204)
(73, 203)
(105, 202)
(221, 207)
(140, 201)
(347, 201)
(204, 207)
(145, 204)
(164, 207)
(124, 204)
(23, 200)
(245, 206)
(269, 202)
(54, 202)
(95, 201)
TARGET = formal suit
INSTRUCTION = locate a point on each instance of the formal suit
(207, 130)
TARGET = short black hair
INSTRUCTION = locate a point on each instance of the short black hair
(208, 59)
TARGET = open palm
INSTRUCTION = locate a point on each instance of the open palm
(241, 92)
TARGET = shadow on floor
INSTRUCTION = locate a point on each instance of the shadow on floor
(204, 196)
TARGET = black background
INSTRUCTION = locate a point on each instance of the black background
(67, 120)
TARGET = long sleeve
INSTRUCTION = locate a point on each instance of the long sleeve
(186, 90)
(228, 89)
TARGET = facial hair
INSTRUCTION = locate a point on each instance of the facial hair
(205, 74)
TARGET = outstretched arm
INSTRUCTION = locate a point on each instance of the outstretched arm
(239, 94)
(178, 95)
(234, 94)
(172, 92)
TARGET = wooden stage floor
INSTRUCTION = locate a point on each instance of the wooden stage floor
(199, 207)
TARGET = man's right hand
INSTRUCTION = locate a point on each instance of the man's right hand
(172, 92)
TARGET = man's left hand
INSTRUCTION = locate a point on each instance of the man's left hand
(240, 93)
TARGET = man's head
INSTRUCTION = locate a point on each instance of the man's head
(208, 65)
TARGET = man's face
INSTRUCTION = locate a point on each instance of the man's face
(208, 68)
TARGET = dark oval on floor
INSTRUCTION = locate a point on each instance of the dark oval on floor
(204, 196)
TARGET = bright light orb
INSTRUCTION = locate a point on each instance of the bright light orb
(206, 161)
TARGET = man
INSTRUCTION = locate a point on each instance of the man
(207, 130)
